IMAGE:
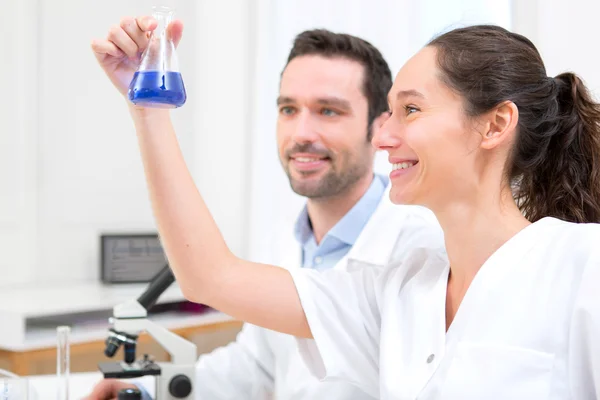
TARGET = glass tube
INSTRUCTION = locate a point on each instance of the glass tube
(62, 362)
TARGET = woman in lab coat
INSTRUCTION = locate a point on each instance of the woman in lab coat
(511, 311)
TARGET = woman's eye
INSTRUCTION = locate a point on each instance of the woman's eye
(410, 109)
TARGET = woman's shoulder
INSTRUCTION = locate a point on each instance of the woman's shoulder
(572, 229)
(577, 239)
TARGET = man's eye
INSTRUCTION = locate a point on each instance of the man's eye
(287, 110)
(328, 112)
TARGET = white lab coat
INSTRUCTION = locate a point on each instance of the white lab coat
(263, 364)
(528, 327)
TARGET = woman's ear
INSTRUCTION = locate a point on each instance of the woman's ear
(500, 125)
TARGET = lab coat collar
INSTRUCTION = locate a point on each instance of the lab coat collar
(375, 244)
(350, 226)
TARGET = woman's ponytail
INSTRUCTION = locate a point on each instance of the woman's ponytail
(564, 180)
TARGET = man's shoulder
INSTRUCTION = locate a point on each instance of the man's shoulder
(393, 230)
(412, 227)
(406, 217)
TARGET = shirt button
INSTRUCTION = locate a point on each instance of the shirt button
(318, 260)
(430, 358)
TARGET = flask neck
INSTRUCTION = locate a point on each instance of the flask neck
(160, 55)
(164, 16)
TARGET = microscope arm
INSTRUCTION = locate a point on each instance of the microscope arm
(131, 317)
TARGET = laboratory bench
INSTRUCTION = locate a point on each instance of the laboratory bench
(30, 314)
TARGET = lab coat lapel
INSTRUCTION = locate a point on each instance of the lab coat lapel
(493, 279)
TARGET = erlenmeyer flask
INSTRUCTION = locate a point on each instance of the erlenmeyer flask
(158, 83)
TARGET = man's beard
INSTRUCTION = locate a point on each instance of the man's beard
(331, 184)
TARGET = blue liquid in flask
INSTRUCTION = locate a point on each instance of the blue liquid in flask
(157, 89)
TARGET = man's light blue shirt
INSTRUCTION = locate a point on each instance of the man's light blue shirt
(340, 239)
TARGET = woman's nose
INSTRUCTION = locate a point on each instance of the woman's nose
(386, 134)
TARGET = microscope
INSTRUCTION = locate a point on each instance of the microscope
(174, 379)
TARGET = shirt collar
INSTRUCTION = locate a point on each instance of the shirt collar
(349, 227)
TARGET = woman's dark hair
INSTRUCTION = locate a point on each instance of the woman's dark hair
(554, 166)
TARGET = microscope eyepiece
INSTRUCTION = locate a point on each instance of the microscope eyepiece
(159, 283)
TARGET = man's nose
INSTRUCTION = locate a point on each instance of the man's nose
(305, 129)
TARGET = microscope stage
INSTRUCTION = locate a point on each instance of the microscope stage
(124, 370)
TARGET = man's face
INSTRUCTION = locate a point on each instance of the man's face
(322, 125)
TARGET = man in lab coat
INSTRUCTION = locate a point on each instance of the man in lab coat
(333, 94)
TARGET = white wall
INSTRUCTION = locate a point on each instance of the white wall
(69, 164)
(565, 34)
(18, 140)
